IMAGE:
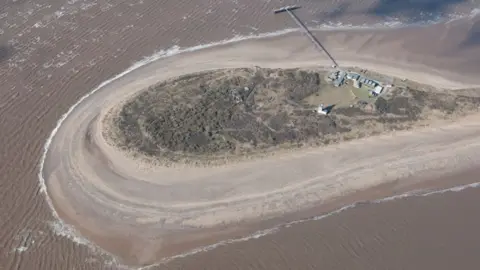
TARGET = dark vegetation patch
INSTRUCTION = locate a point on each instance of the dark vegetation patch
(244, 111)
(411, 103)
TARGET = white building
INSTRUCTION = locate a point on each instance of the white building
(356, 84)
(320, 110)
(378, 90)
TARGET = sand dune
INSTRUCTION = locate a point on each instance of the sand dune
(94, 184)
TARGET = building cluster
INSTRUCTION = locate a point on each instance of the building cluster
(339, 77)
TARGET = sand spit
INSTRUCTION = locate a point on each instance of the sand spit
(54, 52)
(109, 197)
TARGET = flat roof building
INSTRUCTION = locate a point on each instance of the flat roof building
(353, 76)
(378, 89)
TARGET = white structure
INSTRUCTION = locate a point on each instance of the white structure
(356, 84)
(378, 89)
(320, 110)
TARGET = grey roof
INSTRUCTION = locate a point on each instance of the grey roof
(338, 81)
(354, 76)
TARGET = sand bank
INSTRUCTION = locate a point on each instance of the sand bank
(107, 194)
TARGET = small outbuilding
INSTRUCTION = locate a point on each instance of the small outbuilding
(356, 84)
(378, 90)
(321, 110)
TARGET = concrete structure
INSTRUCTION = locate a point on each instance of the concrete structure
(285, 9)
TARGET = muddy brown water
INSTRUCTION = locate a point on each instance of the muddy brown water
(53, 52)
(435, 232)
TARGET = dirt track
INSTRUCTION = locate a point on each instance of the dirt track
(94, 185)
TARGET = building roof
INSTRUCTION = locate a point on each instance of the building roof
(354, 76)
(378, 89)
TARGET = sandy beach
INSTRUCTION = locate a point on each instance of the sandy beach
(52, 54)
(104, 183)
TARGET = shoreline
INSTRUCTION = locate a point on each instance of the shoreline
(414, 186)
(112, 152)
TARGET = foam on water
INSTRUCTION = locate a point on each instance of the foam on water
(60, 228)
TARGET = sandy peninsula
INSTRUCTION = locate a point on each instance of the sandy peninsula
(113, 198)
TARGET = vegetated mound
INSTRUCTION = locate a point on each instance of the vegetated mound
(226, 113)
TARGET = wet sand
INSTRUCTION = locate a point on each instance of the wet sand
(50, 59)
